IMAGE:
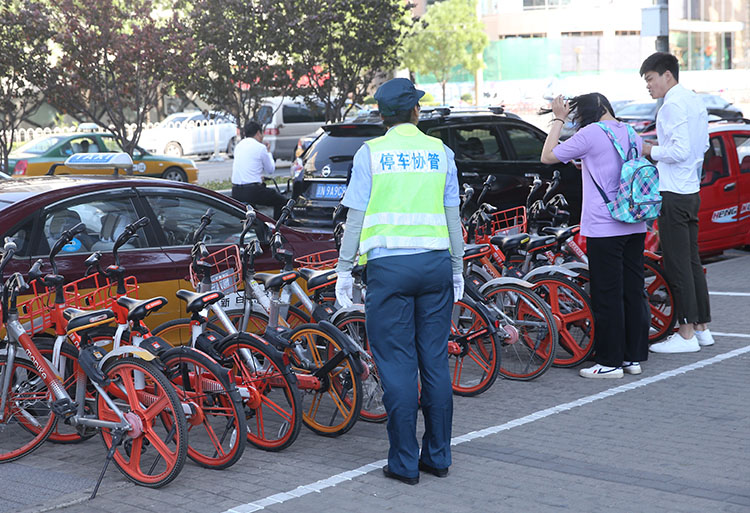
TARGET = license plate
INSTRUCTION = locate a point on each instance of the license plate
(330, 190)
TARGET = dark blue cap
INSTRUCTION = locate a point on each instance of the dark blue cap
(396, 95)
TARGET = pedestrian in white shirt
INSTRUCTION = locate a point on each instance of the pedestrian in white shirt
(252, 163)
(682, 132)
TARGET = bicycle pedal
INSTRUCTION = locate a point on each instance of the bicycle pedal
(64, 408)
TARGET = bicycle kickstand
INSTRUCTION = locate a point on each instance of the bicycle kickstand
(117, 437)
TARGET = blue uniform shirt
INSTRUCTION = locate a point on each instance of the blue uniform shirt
(357, 195)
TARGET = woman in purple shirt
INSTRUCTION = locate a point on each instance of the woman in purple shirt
(615, 249)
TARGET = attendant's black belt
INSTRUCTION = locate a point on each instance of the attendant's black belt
(254, 184)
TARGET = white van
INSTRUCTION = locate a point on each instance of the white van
(285, 120)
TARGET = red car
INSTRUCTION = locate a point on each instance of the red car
(35, 211)
(724, 216)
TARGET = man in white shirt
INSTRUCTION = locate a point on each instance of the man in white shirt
(682, 131)
(252, 163)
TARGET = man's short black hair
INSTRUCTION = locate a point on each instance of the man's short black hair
(401, 116)
(252, 128)
(661, 62)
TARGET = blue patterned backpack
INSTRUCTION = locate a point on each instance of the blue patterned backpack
(637, 197)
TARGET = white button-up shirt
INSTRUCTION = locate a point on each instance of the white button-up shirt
(682, 130)
(252, 161)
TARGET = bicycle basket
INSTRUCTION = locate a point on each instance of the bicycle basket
(505, 222)
(226, 270)
(34, 313)
(96, 291)
(321, 260)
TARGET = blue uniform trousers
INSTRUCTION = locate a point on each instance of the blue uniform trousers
(409, 303)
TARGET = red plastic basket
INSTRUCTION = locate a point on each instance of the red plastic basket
(34, 313)
(505, 222)
(321, 260)
(226, 270)
(95, 291)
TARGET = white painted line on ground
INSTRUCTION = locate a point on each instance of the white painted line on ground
(345, 476)
(739, 294)
(721, 334)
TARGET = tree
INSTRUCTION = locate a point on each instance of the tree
(341, 45)
(24, 66)
(450, 36)
(244, 53)
(116, 58)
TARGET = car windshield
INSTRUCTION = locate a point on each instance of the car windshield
(637, 109)
(175, 118)
(40, 146)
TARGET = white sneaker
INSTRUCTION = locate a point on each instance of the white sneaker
(601, 371)
(676, 344)
(704, 337)
(631, 367)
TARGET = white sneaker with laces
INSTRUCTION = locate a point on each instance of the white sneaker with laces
(631, 367)
(601, 371)
(704, 337)
(676, 344)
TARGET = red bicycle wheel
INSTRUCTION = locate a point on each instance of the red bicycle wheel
(660, 301)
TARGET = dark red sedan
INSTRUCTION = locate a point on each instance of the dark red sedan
(35, 211)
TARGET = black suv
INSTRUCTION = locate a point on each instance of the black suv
(485, 142)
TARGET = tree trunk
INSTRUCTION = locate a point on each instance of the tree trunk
(442, 84)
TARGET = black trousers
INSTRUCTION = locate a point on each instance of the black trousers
(678, 232)
(259, 194)
(618, 297)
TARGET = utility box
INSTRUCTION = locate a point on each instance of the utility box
(655, 21)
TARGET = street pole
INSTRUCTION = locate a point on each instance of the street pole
(662, 40)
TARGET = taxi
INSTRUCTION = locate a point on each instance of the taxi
(36, 157)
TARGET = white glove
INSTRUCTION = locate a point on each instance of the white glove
(458, 287)
(344, 285)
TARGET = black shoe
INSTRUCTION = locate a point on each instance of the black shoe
(403, 479)
(439, 472)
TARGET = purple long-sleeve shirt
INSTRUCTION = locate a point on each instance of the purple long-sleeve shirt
(600, 159)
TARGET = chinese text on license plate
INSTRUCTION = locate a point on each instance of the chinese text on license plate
(330, 190)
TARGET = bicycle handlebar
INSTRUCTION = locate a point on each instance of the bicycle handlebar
(485, 187)
(128, 233)
(9, 249)
(205, 221)
(250, 217)
(64, 239)
(552, 187)
(286, 212)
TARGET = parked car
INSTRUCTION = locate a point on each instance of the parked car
(485, 142)
(35, 157)
(192, 133)
(718, 106)
(724, 215)
(640, 115)
(36, 211)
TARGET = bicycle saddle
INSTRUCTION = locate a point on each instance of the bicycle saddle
(197, 301)
(276, 281)
(510, 243)
(475, 251)
(138, 309)
(80, 320)
(538, 242)
(316, 279)
(561, 233)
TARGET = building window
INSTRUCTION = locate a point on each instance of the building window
(544, 4)
(582, 34)
(627, 32)
(521, 36)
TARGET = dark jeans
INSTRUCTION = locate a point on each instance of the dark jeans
(409, 304)
(259, 194)
(618, 298)
(678, 232)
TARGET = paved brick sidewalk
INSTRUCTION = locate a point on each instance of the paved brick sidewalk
(673, 439)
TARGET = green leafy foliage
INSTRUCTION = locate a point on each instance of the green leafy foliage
(24, 66)
(448, 36)
(116, 59)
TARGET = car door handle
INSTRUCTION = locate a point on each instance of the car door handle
(470, 175)
(730, 186)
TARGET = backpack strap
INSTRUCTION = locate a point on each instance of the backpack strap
(601, 192)
(633, 146)
(613, 138)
